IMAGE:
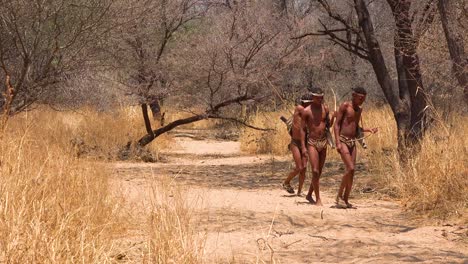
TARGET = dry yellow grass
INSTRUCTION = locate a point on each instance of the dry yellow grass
(262, 142)
(87, 132)
(436, 179)
(57, 208)
(54, 208)
(383, 144)
(172, 236)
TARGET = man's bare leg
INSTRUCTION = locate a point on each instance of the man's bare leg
(322, 157)
(314, 163)
(309, 194)
(346, 156)
(349, 184)
(301, 182)
(313, 157)
(343, 185)
(298, 162)
(311, 187)
(302, 175)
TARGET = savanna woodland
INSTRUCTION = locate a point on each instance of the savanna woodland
(149, 131)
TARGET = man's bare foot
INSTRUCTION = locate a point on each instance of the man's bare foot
(300, 194)
(310, 199)
(318, 202)
(340, 203)
(287, 187)
(349, 205)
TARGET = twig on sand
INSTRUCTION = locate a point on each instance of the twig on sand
(266, 238)
(272, 221)
(322, 237)
(272, 252)
(288, 245)
(281, 233)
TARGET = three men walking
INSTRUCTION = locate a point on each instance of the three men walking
(316, 122)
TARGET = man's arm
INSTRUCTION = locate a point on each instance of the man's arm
(337, 126)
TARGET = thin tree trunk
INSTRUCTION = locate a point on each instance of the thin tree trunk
(453, 35)
(144, 110)
(9, 96)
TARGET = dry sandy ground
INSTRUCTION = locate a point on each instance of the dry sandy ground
(246, 217)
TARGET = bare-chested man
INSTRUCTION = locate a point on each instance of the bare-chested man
(346, 126)
(297, 145)
(316, 117)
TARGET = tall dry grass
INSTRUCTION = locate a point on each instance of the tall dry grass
(434, 181)
(87, 132)
(266, 142)
(173, 237)
(58, 208)
(53, 207)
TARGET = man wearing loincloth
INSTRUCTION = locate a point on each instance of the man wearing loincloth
(316, 117)
(346, 128)
(297, 145)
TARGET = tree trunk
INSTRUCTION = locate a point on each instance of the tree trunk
(409, 71)
(408, 102)
(144, 110)
(8, 96)
(400, 105)
(454, 37)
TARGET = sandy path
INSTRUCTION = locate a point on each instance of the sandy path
(246, 217)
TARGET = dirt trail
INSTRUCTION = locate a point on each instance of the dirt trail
(246, 217)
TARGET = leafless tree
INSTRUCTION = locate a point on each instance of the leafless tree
(233, 63)
(42, 42)
(139, 47)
